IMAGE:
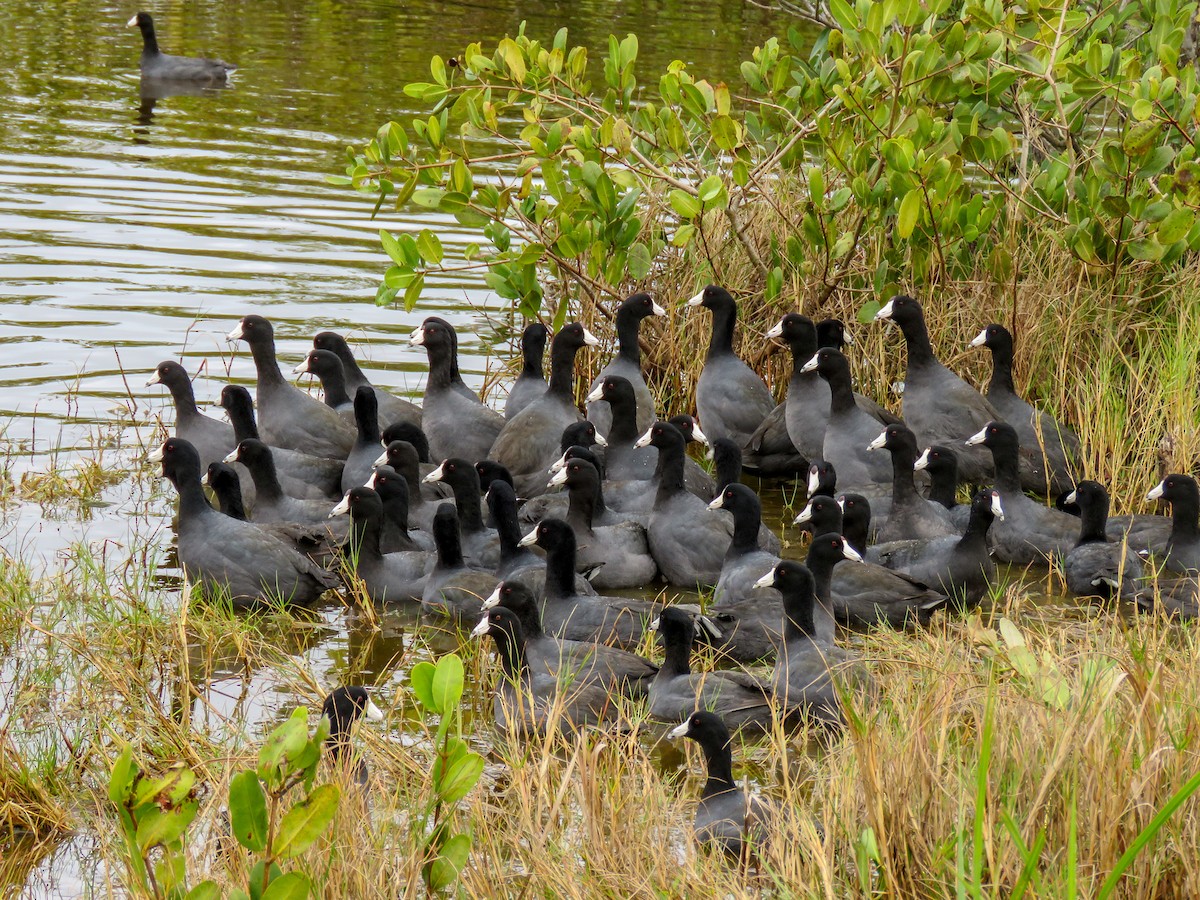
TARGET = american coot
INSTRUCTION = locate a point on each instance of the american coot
(939, 406)
(910, 516)
(271, 503)
(456, 423)
(809, 669)
(731, 399)
(452, 588)
(960, 567)
(414, 437)
(365, 451)
(770, 452)
(1056, 448)
(535, 701)
(848, 429)
(518, 563)
(531, 383)
(488, 471)
(726, 818)
(386, 578)
(212, 438)
(565, 612)
(228, 557)
(676, 692)
(574, 661)
(622, 460)
(941, 464)
(806, 408)
(832, 333)
(456, 380)
(313, 541)
(529, 442)
(1030, 531)
(392, 409)
(865, 594)
(287, 416)
(686, 542)
(1181, 551)
(301, 474)
(822, 478)
(162, 67)
(423, 498)
(856, 520)
(342, 708)
(1096, 567)
(397, 535)
(326, 366)
(627, 363)
(481, 545)
(620, 550)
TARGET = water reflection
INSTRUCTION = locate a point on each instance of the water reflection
(151, 90)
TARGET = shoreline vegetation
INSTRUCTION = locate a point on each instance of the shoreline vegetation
(1024, 750)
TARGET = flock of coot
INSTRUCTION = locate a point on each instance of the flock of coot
(513, 523)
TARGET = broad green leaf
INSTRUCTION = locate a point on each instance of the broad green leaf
(284, 741)
(429, 246)
(412, 293)
(120, 781)
(710, 188)
(639, 261)
(725, 132)
(290, 886)
(462, 775)
(248, 811)
(1142, 109)
(161, 826)
(866, 313)
(169, 788)
(447, 683)
(910, 210)
(255, 879)
(205, 890)
(391, 247)
(429, 198)
(1176, 226)
(445, 869)
(420, 676)
(843, 14)
(304, 822)
(685, 205)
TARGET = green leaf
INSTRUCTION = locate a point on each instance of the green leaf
(292, 886)
(255, 879)
(304, 822)
(429, 198)
(429, 246)
(910, 209)
(445, 869)
(161, 826)
(843, 15)
(866, 313)
(639, 261)
(453, 201)
(710, 188)
(685, 205)
(1175, 226)
(284, 741)
(205, 890)
(1141, 109)
(447, 683)
(412, 293)
(248, 811)
(724, 132)
(460, 776)
(120, 781)
(774, 283)
(391, 247)
(420, 677)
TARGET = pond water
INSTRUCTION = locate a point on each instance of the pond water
(135, 229)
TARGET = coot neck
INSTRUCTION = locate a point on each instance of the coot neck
(724, 317)
(508, 529)
(192, 502)
(449, 545)
(628, 325)
(623, 431)
(367, 531)
(366, 416)
(1093, 517)
(231, 501)
(1185, 511)
(149, 39)
(677, 650)
(531, 620)
(719, 760)
(904, 487)
(854, 532)
(942, 486)
(916, 337)
(410, 471)
(395, 511)
(1005, 462)
(803, 348)
(333, 384)
(466, 498)
(727, 468)
(266, 480)
(562, 370)
(511, 647)
(532, 352)
(840, 388)
(265, 363)
(798, 621)
(1002, 365)
(353, 375)
(670, 471)
(184, 399)
(241, 417)
(560, 568)
(581, 504)
(745, 533)
(822, 572)
(975, 537)
(443, 366)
